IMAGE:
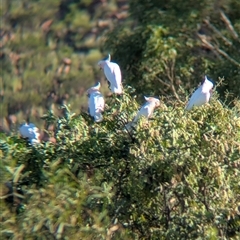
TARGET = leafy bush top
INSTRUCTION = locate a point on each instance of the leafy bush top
(174, 177)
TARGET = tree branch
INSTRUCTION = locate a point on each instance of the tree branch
(170, 75)
(229, 25)
(228, 57)
(217, 32)
(218, 50)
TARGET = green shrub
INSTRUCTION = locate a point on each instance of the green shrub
(173, 177)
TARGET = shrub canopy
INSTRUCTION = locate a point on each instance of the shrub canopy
(174, 177)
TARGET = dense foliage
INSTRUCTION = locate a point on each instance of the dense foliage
(174, 177)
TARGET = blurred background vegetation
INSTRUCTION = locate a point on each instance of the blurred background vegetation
(49, 54)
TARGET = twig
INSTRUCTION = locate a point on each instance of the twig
(206, 44)
(228, 57)
(229, 24)
(217, 32)
(164, 83)
(160, 80)
(218, 50)
(168, 85)
(170, 74)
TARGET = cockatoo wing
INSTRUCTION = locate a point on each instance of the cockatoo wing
(207, 85)
(31, 132)
(145, 111)
(96, 106)
(197, 99)
(100, 102)
(201, 95)
(91, 105)
(26, 130)
(113, 74)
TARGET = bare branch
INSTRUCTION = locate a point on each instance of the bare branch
(160, 80)
(170, 75)
(207, 44)
(229, 25)
(164, 83)
(217, 32)
(228, 57)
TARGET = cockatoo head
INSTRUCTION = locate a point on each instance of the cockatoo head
(94, 89)
(102, 62)
(153, 100)
(207, 84)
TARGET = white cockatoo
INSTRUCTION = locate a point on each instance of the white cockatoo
(31, 132)
(95, 102)
(113, 74)
(201, 95)
(145, 111)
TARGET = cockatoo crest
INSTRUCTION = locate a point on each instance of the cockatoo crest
(108, 58)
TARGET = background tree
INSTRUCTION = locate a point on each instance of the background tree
(173, 44)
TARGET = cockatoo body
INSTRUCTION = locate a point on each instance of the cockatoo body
(96, 103)
(145, 111)
(201, 96)
(113, 74)
(31, 132)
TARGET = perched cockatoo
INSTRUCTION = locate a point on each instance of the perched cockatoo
(201, 95)
(95, 102)
(113, 74)
(145, 111)
(31, 132)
